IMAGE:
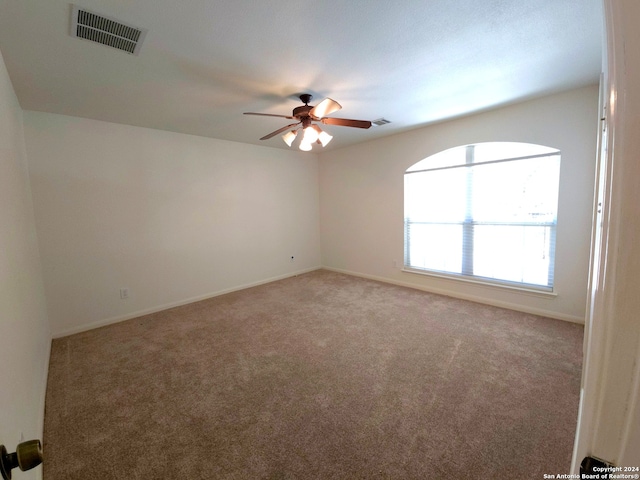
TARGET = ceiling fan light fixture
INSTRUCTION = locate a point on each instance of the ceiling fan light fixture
(311, 134)
(290, 136)
(324, 138)
(305, 146)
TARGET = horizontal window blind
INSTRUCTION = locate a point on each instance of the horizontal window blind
(495, 219)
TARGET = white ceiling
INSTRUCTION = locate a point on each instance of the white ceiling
(205, 62)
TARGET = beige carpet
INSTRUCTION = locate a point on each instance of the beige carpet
(320, 376)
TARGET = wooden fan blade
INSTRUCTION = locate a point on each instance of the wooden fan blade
(345, 122)
(280, 130)
(325, 107)
(269, 115)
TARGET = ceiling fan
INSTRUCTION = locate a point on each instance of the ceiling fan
(306, 115)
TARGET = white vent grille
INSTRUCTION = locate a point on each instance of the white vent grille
(380, 121)
(107, 31)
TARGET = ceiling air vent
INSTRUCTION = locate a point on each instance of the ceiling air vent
(380, 121)
(105, 30)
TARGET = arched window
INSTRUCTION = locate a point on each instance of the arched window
(485, 212)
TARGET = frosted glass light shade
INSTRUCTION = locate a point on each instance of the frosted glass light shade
(289, 137)
(310, 134)
(324, 138)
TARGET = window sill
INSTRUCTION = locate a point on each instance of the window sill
(487, 283)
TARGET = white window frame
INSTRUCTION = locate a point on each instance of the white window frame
(468, 224)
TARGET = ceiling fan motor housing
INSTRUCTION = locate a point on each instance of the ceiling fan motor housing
(302, 111)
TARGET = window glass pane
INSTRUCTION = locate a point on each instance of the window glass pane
(518, 191)
(490, 151)
(446, 158)
(513, 253)
(434, 247)
(437, 196)
(483, 152)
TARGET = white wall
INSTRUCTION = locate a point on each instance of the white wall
(24, 330)
(171, 217)
(361, 191)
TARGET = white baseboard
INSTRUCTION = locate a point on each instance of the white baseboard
(462, 296)
(166, 306)
(448, 293)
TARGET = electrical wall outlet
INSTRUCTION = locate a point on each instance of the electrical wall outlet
(124, 293)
